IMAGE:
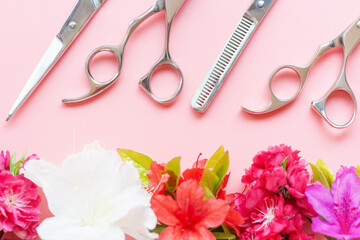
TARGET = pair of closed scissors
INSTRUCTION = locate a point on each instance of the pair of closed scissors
(79, 17)
(348, 40)
(170, 7)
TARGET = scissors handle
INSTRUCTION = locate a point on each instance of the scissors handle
(97, 87)
(171, 8)
(144, 82)
(340, 85)
(302, 72)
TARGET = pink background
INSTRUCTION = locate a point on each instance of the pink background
(125, 117)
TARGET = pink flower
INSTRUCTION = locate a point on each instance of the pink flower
(189, 217)
(19, 201)
(28, 158)
(268, 218)
(274, 204)
(338, 208)
(291, 179)
(4, 161)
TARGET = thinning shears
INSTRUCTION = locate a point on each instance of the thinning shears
(170, 7)
(348, 40)
(79, 17)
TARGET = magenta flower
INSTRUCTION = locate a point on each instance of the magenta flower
(4, 160)
(338, 208)
(19, 201)
(274, 205)
(267, 174)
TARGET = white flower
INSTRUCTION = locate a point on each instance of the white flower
(93, 196)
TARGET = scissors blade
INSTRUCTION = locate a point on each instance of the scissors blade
(50, 57)
(232, 50)
(75, 23)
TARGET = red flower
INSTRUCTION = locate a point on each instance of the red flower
(189, 217)
(157, 178)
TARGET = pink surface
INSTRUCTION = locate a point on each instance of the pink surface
(125, 117)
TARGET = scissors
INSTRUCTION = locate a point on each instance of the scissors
(170, 7)
(347, 40)
(79, 17)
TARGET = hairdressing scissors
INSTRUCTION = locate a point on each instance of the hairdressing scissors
(348, 40)
(79, 17)
(170, 7)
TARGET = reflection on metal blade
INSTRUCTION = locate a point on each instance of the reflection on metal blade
(50, 57)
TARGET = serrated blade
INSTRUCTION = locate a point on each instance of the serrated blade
(230, 53)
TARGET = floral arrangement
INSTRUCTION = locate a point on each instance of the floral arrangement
(100, 194)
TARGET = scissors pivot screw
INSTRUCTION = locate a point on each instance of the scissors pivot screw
(72, 25)
(261, 3)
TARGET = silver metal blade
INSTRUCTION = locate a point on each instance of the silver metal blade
(50, 57)
(78, 19)
(230, 53)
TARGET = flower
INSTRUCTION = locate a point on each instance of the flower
(93, 196)
(4, 160)
(280, 169)
(338, 208)
(189, 217)
(19, 201)
(273, 203)
(157, 178)
(164, 179)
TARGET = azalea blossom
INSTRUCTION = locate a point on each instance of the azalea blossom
(338, 208)
(19, 201)
(189, 216)
(4, 160)
(273, 203)
(93, 196)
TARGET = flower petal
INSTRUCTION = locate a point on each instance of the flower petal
(54, 185)
(58, 228)
(165, 208)
(190, 192)
(215, 213)
(346, 182)
(322, 202)
(180, 233)
(204, 234)
(233, 220)
(328, 229)
(168, 233)
(138, 222)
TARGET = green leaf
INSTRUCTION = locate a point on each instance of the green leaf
(208, 193)
(283, 164)
(209, 180)
(330, 238)
(318, 175)
(214, 158)
(358, 170)
(326, 171)
(159, 229)
(221, 168)
(13, 169)
(225, 228)
(173, 169)
(140, 161)
(222, 235)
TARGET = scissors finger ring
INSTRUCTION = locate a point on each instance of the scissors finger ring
(170, 7)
